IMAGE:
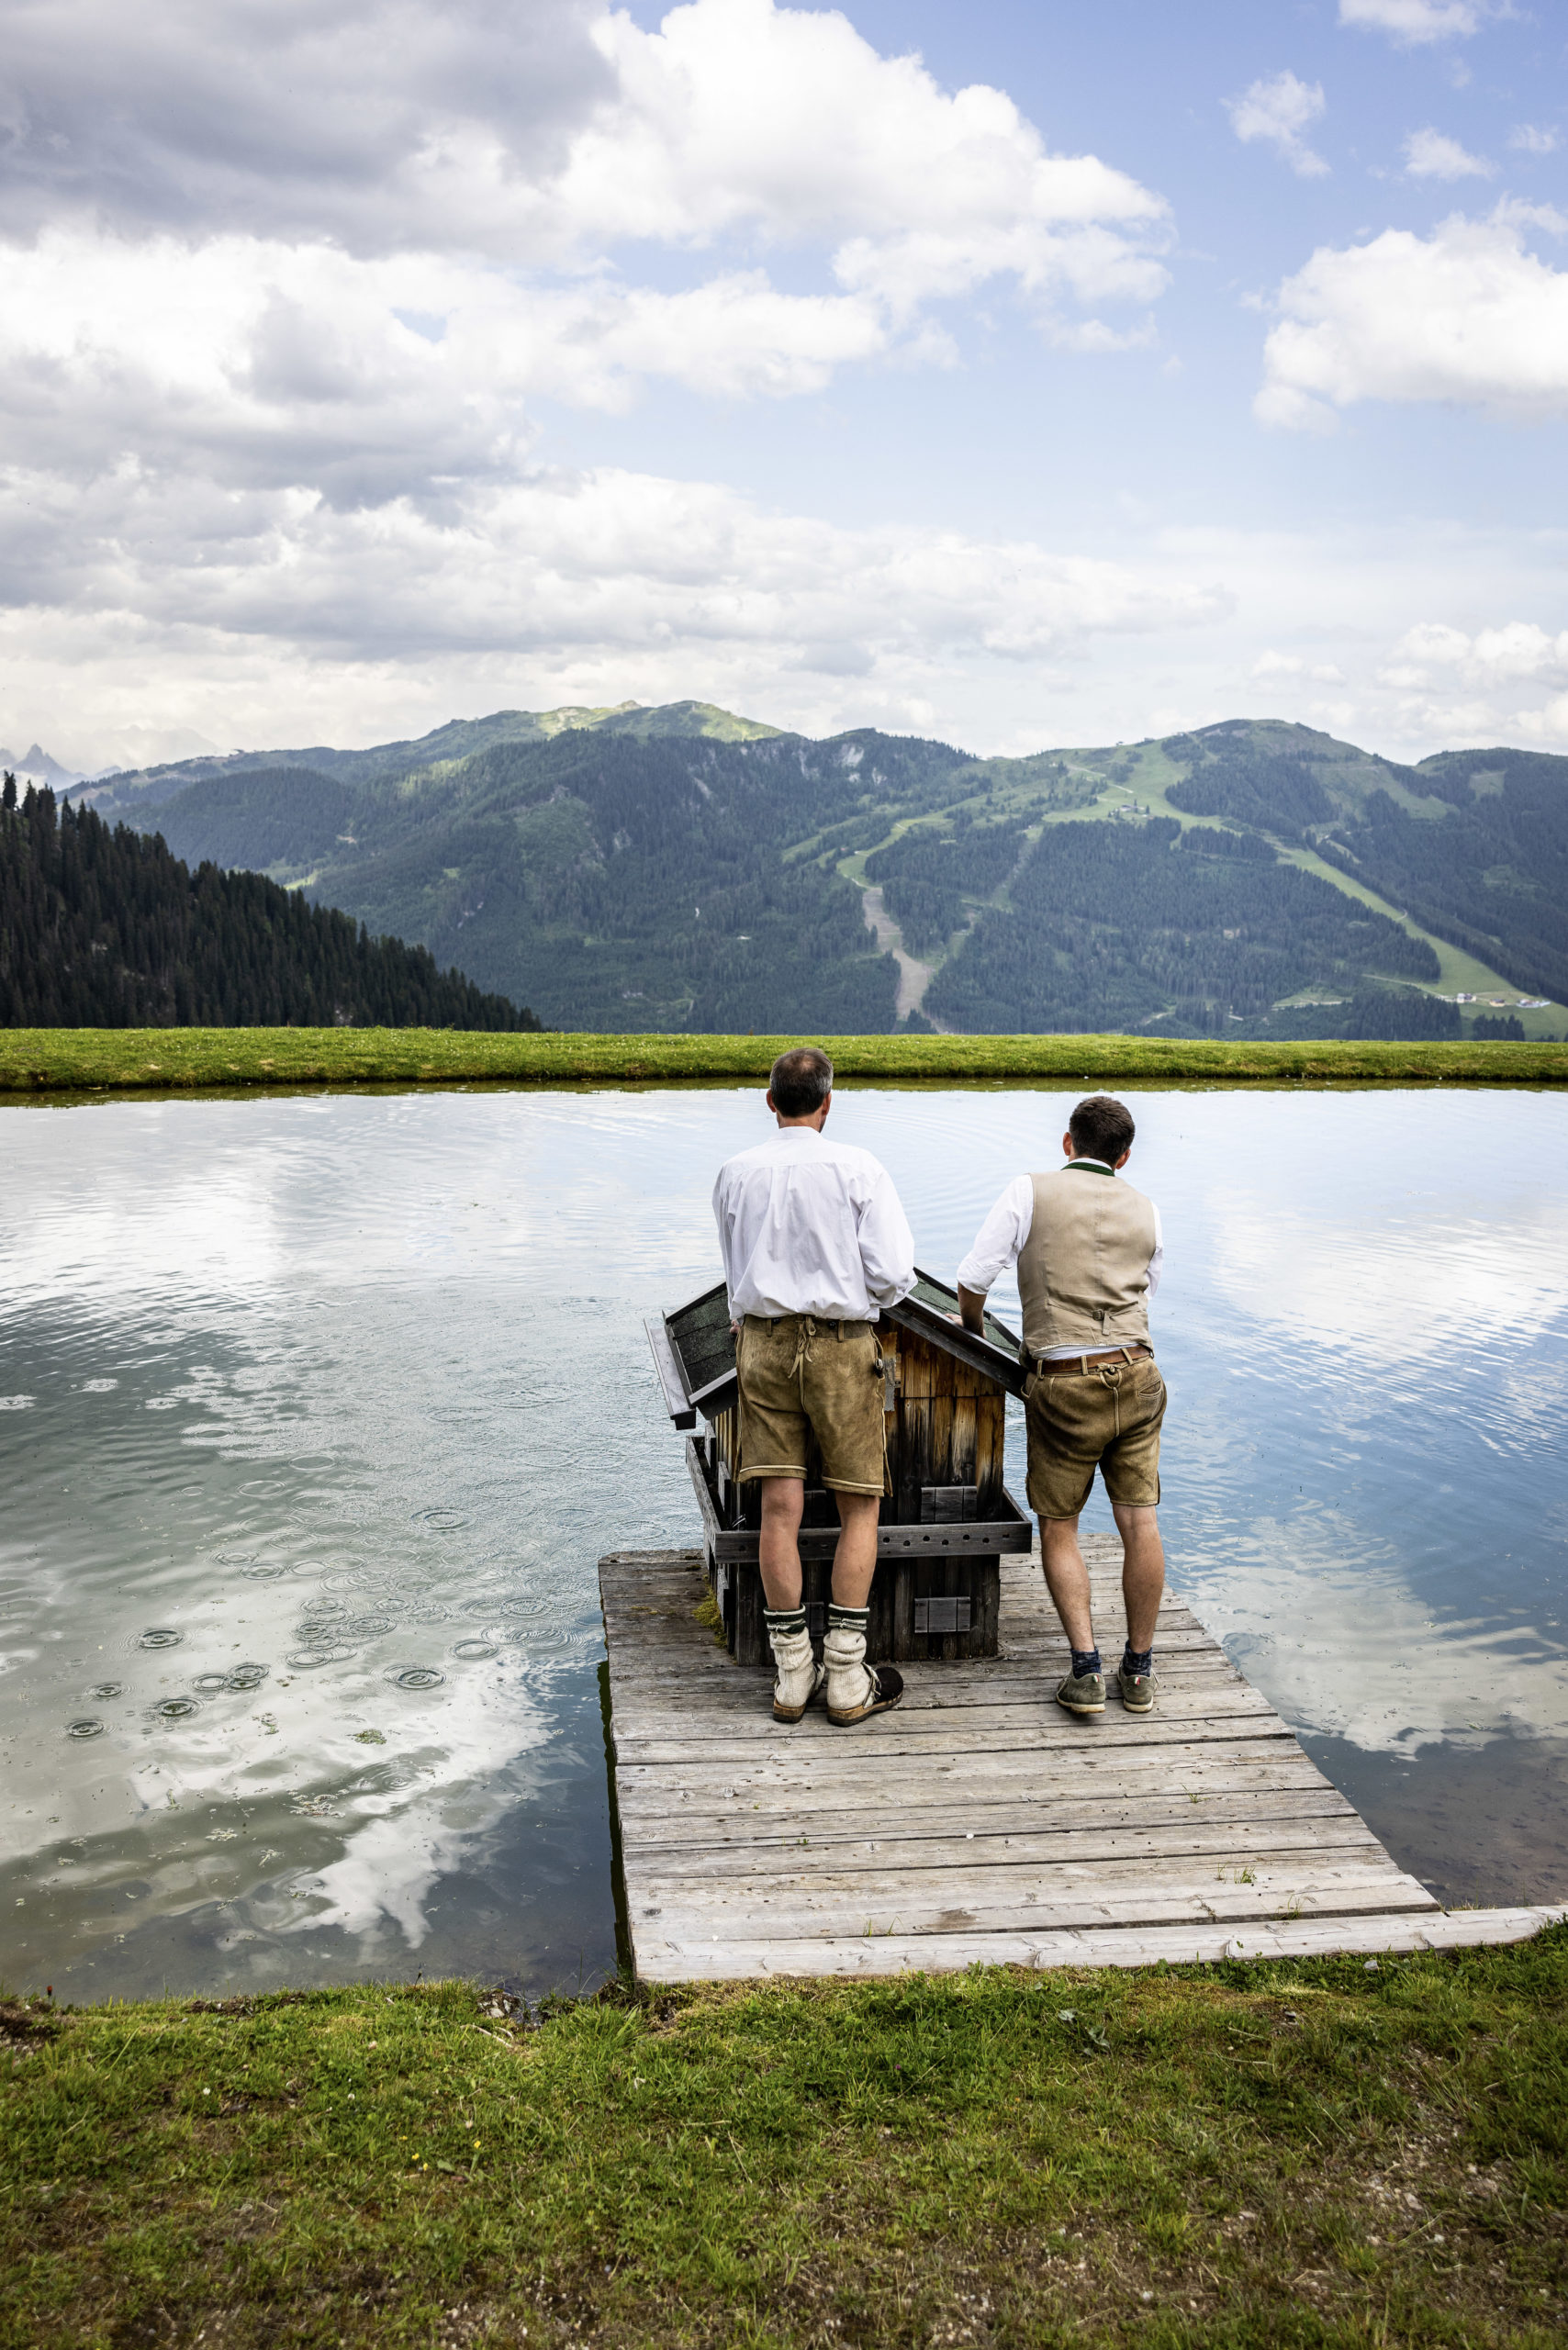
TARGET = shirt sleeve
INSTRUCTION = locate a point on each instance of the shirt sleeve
(721, 1218)
(1157, 1262)
(1000, 1237)
(886, 1244)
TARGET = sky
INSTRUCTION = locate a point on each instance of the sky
(1019, 374)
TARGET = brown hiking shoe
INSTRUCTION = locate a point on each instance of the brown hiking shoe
(1082, 1693)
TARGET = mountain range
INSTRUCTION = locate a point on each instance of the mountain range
(681, 868)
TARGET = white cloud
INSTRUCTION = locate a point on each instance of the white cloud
(739, 114)
(1278, 111)
(1517, 649)
(370, 121)
(1433, 664)
(666, 587)
(263, 362)
(1530, 139)
(1548, 724)
(1414, 23)
(548, 136)
(1429, 155)
(1466, 314)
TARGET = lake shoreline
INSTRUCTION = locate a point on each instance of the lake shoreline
(1242, 2153)
(96, 1061)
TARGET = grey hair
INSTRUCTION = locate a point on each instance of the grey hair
(801, 1082)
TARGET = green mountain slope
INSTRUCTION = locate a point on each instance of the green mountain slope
(131, 794)
(633, 868)
(1493, 874)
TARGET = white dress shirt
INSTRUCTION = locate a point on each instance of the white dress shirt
(1006, 1229)
(812, 1226)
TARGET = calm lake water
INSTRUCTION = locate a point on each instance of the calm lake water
(316, 1413)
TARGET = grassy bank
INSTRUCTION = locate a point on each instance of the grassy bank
(1304, 2154)
(35, 1060)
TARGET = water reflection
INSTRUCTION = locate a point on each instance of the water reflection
(323, 1409)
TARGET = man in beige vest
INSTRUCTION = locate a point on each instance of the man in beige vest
(1089, 1251)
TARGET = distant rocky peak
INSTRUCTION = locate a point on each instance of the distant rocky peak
(35, 766)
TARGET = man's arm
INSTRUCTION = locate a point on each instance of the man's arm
(886, 1244)
(721, 1217)
(997, 1244)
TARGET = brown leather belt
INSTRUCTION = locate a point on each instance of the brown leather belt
(1085, 1362)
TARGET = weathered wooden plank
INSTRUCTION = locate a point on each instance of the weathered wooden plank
(1225, 1842)
(671, 1961)
(667, 1662)
(961, 1716)
(1091, 1907)
(972, 1720)
(762, 1819)
(917, 1738)
(887, 1788)
(939, 1906)
(986, 1877)
(1182, 1707)
(1086, 1757)
(667, 1658)
(746, 1825)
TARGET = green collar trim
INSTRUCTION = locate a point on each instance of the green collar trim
(1088, 1166)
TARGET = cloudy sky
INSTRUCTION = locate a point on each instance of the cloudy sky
(1022, 373)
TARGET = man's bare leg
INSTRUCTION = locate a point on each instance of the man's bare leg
(1067, 1579)
(855, 1559)
(797, 1676)
(856, 1690)
(1143, 1571)
(783, 1504)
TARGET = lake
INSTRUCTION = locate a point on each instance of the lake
(317, 1411)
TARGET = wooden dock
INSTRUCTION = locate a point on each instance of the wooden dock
(979, 1822)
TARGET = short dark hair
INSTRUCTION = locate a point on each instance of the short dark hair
(1102, 1127)
(802, 1082)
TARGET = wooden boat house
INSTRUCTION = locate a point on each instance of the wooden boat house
(947, 1518)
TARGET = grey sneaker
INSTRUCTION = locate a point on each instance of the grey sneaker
(1082, 1693)
(1137, 1690)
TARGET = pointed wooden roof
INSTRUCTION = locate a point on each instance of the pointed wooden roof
(695, 1354)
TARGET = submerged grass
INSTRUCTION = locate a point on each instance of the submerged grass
(34, 1060)
(1304, 2154)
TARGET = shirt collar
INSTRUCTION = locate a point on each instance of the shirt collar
(1090, 1167)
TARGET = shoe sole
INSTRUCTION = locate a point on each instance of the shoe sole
(1081, 1709)
(863, 1714)
(1147, 1708)
(790, 1713)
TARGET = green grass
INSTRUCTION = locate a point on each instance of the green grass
(1303, 2155)
(55, 1060)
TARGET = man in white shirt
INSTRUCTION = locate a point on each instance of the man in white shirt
(1089, 1250)
(814, 1243)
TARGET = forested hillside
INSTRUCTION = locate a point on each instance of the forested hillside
(1493, 874)
(681, 868)
(1116, 924)
(103, 928)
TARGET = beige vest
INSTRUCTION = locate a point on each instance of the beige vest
(1083, 1272)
